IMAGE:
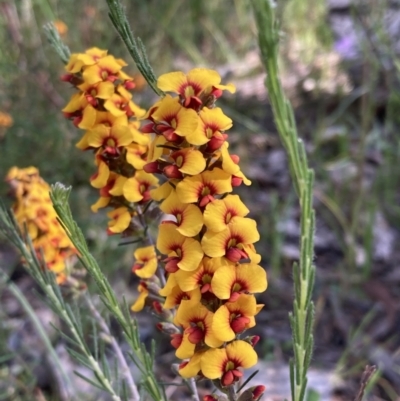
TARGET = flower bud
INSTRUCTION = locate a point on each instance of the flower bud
(167, 328)
(172, 171)
(176, 340)
(147, 128)
(129, 85)
(236, 181)
(235, 159)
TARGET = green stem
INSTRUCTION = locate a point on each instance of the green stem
(133, 44)
(38, 326)
(302, 317)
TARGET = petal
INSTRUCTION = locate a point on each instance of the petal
(189, 161)
(191, 221)
(169, 285)
(215, 244)
(188, 281)
(192, 368)
(141, 300)
(88, 117)
(186, 349)
(254, 276)
(245, 305)
(223, 280)
(189, 217)
(189, 313)
(122, 135)
(105, 90)
(172, 81)
(100, 178)
(117, 188)
(192, 254)
(162, 191)
(215, 119)
(243, 352)
(228, 165)
(169, 238)
(187, 122)
(98, 135)
(212, 363)
(101, 202)
(215, 215)
(203, 78)
(189, 189)
(221, 324)
(148, 270)
(131, 190)
(245, 230)
(121, 219)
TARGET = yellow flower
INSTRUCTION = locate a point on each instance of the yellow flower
(230, 242)
(145, 262)
(203, 187)
(120, 220)
(106, 69)
(172, 120)
(222, 212)
(233, 318)
(189, 219)
(194, 87)
(230, 281)
(224, 363)
(141, 300)
(137, 188)
(211, 123)
(183, 253)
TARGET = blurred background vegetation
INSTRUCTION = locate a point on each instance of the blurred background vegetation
(341, 71)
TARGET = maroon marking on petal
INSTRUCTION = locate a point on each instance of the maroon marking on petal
(214, 144)
(195, 334)
(172, 265)
(137, 266)
(239, 324)
(228, 378)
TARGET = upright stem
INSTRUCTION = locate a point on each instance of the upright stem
(303, 310)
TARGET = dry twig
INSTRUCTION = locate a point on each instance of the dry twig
(365, 378)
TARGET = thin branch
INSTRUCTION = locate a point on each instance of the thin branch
(114, 344)
(134, 44)
(365, 378)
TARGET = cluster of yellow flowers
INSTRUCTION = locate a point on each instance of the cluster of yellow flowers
(33, 209)
(211, 265)
(211, 270)
(103, 107)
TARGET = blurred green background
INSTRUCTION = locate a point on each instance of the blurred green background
(340, 63)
